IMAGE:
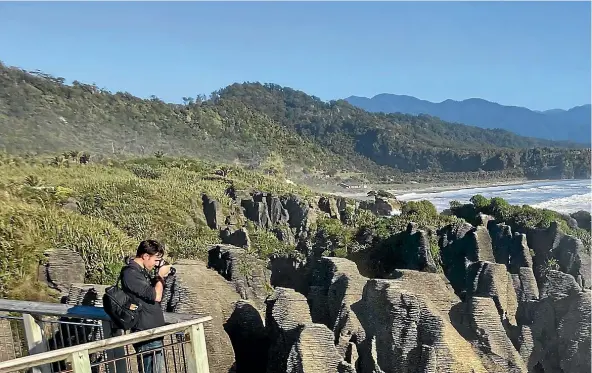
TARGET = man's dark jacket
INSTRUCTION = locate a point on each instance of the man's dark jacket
(136, 282)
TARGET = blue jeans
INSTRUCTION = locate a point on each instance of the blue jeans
(152, 361)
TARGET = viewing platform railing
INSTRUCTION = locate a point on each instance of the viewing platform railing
(43, 337)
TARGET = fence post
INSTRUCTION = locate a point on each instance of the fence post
(36, 342)
(80, 362)
(198, 355)
(115, 353)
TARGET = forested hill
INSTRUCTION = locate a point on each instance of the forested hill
(407, 142)
(251, 122)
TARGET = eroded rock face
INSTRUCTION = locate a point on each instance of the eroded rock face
(277, 213)
(492, 280)
(239, 238)
(336, 285)
(382, 206)
(249, 274)
(203, 292)
(249, 338)
(287, 314)
(557, 285)
(568, 251)
(328, 205)
(480, 247)
(400, 323)
(460, 245)
(299, 212)
(561, 333)
(314, 352)
(520, 255)
(256, 211)
(489, 336)
(61, 268)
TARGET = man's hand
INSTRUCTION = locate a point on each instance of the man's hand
(164, 271)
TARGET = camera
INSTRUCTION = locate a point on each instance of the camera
(163, 262)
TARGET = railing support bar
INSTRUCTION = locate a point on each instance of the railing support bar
(115, 353)
(197, 359)
(80, 362)
(36, 341)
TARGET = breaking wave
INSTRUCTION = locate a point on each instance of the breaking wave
(564, 196)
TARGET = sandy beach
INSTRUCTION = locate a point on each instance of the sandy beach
(399, 189)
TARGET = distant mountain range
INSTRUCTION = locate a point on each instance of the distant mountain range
(554, 124)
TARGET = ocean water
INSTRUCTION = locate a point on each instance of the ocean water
(565, 196)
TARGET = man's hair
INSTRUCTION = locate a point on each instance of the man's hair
(150, 247)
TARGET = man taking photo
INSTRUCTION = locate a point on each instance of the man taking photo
(147, 292)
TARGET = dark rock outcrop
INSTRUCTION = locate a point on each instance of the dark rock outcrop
(328, 205)
(569, 252)
(277, 213)
(239, 238)
(248, 336)
(213, 212)
(561, 334)
(248, 274)
(583, 219)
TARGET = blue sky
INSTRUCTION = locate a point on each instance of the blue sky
(533, 54)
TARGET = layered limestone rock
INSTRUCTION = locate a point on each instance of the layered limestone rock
(459, 246)
(527, 294)
(502, 241)
(520, 255)
(60, 268)
(479, 246)
(561, 333)
(406, 332)
(569, 252)
(419, 255)
(492, 280)
(557, 285)
(203, 292)
(409, 249)
(314, 352)
(487, 333)
(336, 285)
(287, 314)
(249, 274)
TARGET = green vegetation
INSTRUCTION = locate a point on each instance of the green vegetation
(250, 136)
(517, 217)
(281, 130)
(118, 204)
(408, 143)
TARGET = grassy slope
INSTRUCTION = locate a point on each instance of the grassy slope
(117, 210)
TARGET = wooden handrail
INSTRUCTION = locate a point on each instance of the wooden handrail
(96, 346)
(81, 312)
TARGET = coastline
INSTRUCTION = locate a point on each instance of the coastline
(400, 189)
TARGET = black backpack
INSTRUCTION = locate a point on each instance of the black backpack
(116, 304)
